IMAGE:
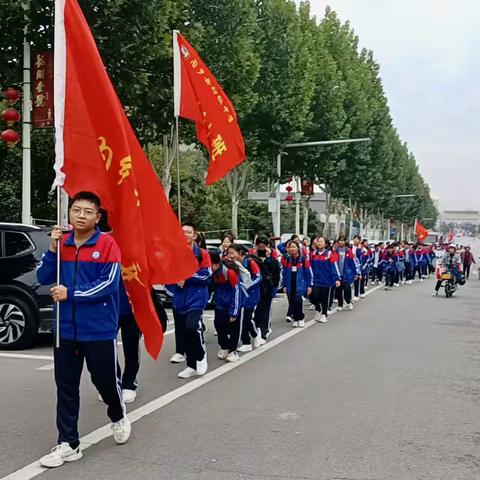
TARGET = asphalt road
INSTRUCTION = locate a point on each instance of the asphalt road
(388, 391)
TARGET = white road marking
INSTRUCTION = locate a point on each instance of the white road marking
(26, 356)
(34, 469)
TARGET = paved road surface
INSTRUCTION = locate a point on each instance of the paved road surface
(388, 391)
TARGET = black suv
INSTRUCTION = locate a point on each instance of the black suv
(25, 306)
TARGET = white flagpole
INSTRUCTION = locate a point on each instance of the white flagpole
(59, 79)
(177, 92)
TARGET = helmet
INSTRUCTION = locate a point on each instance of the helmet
(461, 280)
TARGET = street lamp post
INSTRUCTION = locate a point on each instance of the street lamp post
(277, 214)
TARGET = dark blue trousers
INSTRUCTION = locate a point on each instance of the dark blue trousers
(101, 360)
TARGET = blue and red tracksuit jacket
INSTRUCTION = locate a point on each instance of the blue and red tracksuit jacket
(304, 274)
(324, 268)
(417, 258)
(194, 293)
(365, 257)
(350, 266)
(251, 301)
(389, 262)
(228, 292)
(91, 274)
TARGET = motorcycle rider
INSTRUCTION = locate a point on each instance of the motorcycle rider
(451, 262)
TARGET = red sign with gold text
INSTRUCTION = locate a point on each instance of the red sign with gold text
(42, 81)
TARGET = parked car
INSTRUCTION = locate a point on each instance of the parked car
(214, 243)
(26, 307)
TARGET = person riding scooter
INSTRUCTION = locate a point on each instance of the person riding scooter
(451, 262)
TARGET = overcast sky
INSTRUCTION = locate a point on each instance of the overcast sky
(429, 52)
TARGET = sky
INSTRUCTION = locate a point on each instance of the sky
(429, 53)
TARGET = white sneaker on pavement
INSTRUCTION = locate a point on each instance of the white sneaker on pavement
(311, 307)
(129, 396)
(202, 366)
(323, 319)
(339, 309)
(301, 323)
(258, 341)
(222, 354)
(60, 454)
(233, 357)
(349, 306)
(122, 430)
(295, 324)
(245, 348)
(288, 319)
(269, 332)
(188, 373)
(397, 284)
(435, 294)
(177, 358)
(355, 299)
(362, 295)
(317, 316)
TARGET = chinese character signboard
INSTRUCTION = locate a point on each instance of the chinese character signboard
(42, 80)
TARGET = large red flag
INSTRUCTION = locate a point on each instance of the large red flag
(421, 231)
(199, 97)
(97, 150)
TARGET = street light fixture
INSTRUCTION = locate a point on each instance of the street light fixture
(276, 223)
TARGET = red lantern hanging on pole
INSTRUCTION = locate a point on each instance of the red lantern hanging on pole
(289, 189)
(10, 137)
(289, 198)
(12, 95)
(11, 116)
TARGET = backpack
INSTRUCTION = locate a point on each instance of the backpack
(270, 270)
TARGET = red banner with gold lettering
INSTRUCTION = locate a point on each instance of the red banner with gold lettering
(421, 231)
(199, 97)
(42, 73)
(102, 154)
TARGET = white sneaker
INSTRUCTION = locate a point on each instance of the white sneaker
(177, 358)
(435, 294)
(233, 357)
(245, 348)
(397, 284)
(323, 319)
(288, 319)
(129, 396)
(269, 332)
(311, 307)
(362, 295)
(317, 316)
(421, 280)
(257, 341)
(188, 373)
(349, 306)
(301, 323)
(122, 430)
(60, 454)
(222, 354)
(202, 366)
(355, 299)
(339, 309)
(295, 324)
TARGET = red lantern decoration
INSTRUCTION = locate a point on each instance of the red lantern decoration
(10, 137)
(289, 189)
(289, 198)
(307, 188)
(12, 95)
(11, 116)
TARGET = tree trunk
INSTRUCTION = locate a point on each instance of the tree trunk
(236, 182)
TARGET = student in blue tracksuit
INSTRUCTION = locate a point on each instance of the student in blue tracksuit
(365, 258)
(251, 266)
(229, 301)
(297, 281)
(189, 300)
(417, 261)
(408, 263)
(87, 296)
(389, 267)
(348, 270)
(326, 277)
(357, 252)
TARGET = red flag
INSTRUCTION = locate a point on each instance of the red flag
(97, 150)
(451, 235)
(199, 97)
(421, 231)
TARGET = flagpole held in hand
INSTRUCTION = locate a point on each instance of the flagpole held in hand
(177, 155)
(57, 333)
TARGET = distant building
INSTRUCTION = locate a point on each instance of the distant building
(460, 216)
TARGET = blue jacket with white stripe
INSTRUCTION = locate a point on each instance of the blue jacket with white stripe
(91, 274)
(194, 293)
(324, 268)
(228, 292)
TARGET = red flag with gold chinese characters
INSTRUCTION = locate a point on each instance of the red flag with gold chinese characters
(421, 231)
(97, 150)
(199, 97)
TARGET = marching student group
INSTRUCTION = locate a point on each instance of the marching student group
(240, 283)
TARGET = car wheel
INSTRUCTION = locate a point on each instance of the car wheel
(18, 323)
